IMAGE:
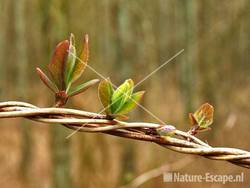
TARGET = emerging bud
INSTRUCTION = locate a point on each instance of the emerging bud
(65, 68)
(166, 130)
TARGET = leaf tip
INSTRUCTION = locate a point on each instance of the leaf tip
(86, 39)
(72, 39)
(46, 80)
(38, 70)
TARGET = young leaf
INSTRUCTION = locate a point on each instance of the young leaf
(203, 117)
(70, 63)
(83, 87)
(131, 103)
(121, 95)
(85, 51)
(57, 64)
(46, 80)
(81, 63)
(105, 92)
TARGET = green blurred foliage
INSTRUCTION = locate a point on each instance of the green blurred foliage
(128, 39)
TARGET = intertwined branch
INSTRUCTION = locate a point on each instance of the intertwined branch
(92, 122)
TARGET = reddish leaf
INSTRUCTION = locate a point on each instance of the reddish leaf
(203, 117)
(46, 80)
(57, 64)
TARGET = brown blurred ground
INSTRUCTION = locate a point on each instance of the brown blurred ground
(128, 39)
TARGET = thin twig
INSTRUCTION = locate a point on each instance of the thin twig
(143, 178)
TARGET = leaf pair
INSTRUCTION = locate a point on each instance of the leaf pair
(119, 101)
(65, 68)
(203, 117)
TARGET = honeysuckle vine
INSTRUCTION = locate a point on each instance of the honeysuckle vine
(65, 69)
(171, 138)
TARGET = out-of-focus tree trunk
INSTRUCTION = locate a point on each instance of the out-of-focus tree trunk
(187, 67)
(21, 47)
(58, 30)
(54, 24)
(2, 49)
(22, 80)
(205, 59)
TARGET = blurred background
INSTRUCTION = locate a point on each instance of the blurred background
(128, 39)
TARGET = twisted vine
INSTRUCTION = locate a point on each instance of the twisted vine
(84, 121)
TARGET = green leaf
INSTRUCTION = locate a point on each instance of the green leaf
(121, 95)
(131, 103)
(81, 63)
(203, 117)
(78, 70)
(83, 87)
(70, 63)
(57, 64)
(46, 80)
(105, 92)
